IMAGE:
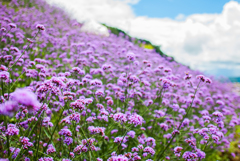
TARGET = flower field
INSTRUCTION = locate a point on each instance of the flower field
(68, 95)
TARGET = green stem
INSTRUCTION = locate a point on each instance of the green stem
(2, 88)
(55, 128)
(17, 80)
(39, 137)
(87, 142)
(31, 125)
(188, 109)
(89, 154)
(206, 145)
(127, 129)
(23, 52)
(8, 147)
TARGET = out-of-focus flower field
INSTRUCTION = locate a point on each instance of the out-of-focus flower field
(70, 95)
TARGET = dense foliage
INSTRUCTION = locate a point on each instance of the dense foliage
(68, 95)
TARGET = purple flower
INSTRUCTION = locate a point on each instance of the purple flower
(25, 142)
(200, 154)
(27, 98)
(215, 138)
(8, 108)
(30, 40)
(3, 68)
(12, 130)
(167, 136)
(187, 76)
(208, 80)
(78, 104)
(40, 27)
(12, 25)
(66, 159)
(131, 134)
(177, 151)
(120, 117)
(15, 151)
(233, 155)
(114, 131)
(151, 142)
(189, 155)
(175, 132)
(134, 149)
(145, 154)
(135, 119)
(3, 29)
(201, 77)
(191, 142)
(217, 113)
(120, 139)
(118, 158)
(68, 140)
(4, 76)
(46, 159)
(72, 154)
(96, 130)
(14, 49)
(149, 150)
(131, 56)
(80, 148)
(164, 126)
(51, 149)
(65, 132)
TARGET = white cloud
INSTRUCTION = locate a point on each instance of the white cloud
(180, 17)
(131, 1)
(107, 11)
(198, 40)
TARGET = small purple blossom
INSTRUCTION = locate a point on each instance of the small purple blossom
(40, 27)
(27, 98)
(135, 119)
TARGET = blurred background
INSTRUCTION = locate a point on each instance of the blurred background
(202, 34)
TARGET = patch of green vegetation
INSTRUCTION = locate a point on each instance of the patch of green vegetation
(147, 43)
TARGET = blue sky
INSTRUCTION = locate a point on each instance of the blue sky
(172, 8)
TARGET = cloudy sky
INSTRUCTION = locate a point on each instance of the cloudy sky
(202, 34)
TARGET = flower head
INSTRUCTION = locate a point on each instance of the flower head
(25, 97)
(12, 25)
(136, 119)
(40, 27)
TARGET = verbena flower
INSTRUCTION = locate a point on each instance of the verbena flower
(96, 130)
(118, 158)
(40, 27)
(189, 155)
(135, 119)
(51, 149)
(46, 159)
(8, 108)
(149, 150)
(27, 98)
(12, 25)
(4, 76)
(12, 130)
(65, 132)
(120, 117)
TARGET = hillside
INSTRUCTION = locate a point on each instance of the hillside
(143, 43)
(70, 95)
